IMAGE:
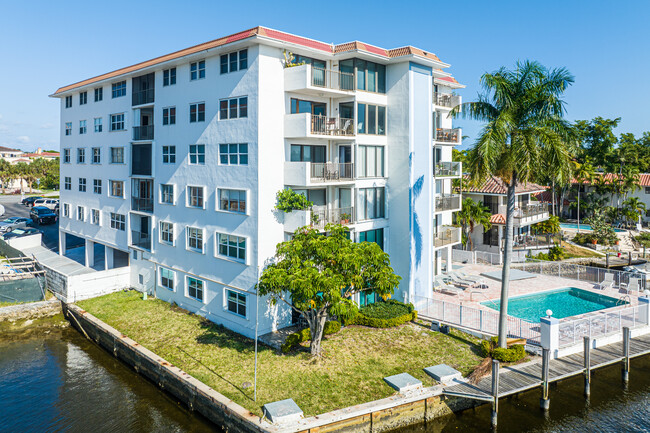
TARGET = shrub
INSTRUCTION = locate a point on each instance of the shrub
(385, 314)
(331, 327)
(289, 200)
(485, 347)
(554, 254)
(513, 353)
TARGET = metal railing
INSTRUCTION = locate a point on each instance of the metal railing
(445, 169)
(475, 319)
(325, 171)
(332, 79)
(139, 239)
(532, 210)
(140, 97)
(598, 324)
(446, 135)
(446, 235)
(321, 216)
(485, 257)
(142, 204)
(323, 125)
(448, 202)
(445, 99)
(522, 242)
(143, 132)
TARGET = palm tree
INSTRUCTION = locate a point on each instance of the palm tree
(472, 214)
(634, 207)
(583, 173)
(5, 173)
(524, 132)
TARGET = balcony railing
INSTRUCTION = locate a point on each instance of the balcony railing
(448, 202)
(446, 235)
(139, 239)
(445, 99)
(330, 79)
(327, 171)
(320, 216)
(142, 204)
(323, 125)
(445, 135)
(448, 169)
(140, 97)
(143, 132)
(532, 210)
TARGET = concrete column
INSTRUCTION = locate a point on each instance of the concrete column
(644, 310)
(62, 243)
(90, 253)
(449, 265)
(549, 334)
(108, 257)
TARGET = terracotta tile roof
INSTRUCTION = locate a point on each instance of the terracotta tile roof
(494, 185)
(450, 79)
(42, 154)
(498, 218)
(547, 197)
(263, 32)
(9, 149)
(644, 178)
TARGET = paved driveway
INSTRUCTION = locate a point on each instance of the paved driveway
(13, 208)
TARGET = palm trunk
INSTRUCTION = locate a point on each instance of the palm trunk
(507, 258)
(553, 198)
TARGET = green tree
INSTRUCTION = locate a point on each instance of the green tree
(524, 131)
(319, 273)
(5, 173)
(634, 209)
(472, 214)
(583, 174)
(598, 140)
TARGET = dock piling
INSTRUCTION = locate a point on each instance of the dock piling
(587, 357)
(544, 402)
(495, 391)
(626, 354)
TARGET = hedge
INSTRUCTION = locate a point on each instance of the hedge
(514, 353)
(384, 314)
(331, 327)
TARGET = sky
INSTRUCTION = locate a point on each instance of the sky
(604, 44)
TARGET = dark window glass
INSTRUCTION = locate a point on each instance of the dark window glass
(381, 120)
(243, 59)
(243, 107)
(233, 62)
(372, 119)
(381, 78)
(233, 108)
(223, 110)
(224, 64)
(361, 114)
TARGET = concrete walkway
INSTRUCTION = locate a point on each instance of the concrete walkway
(53, 260)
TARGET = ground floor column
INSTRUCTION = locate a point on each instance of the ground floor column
(108, 257)
(90, 253)
(62, 243)
(449, 254)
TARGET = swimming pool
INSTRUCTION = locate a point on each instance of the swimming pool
(586, 227)
(564, 302)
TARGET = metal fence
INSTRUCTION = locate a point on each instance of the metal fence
(598, 324)
(475, 319)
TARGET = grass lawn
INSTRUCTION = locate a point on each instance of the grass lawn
(572, 251)
(356, 359)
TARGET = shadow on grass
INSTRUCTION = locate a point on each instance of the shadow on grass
(460, 338)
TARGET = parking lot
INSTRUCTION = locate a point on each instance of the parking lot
(13, 208)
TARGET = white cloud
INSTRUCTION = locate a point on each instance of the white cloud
(22, 139)
(47, 126)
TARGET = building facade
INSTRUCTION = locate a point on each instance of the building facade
(173, 164)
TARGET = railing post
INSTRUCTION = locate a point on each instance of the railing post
(626, 354)
(549, 334)
(587, 365)
(495, 391)
(480, 320)
(544, 402)
(460, 316)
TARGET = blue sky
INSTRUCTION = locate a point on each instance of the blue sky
(48, 44)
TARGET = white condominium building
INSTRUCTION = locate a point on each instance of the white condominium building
(171, 166)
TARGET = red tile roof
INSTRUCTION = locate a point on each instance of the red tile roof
(547, 197)
(494, 185)
(644, 178)
(498, 218)
(262, 32)
(41, 155)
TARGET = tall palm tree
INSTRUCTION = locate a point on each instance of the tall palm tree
(583, 173)
(634, 207)
(524, 132)
(472, 214)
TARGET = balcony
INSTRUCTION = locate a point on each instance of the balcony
(448, 202)
(445, 135)
(306, 125)
(318, 217)
(141, 159)
(140, 240)
(142, 204)
(143, 133)
(141, 97)
(446, 100)
(143, 89)
(448, 169)
(316, 81)
(300, 173)
(531, 214)
(446, 235)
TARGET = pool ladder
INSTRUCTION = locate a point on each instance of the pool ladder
(625, 299)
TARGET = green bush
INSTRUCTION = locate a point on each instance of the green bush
(289, 200)
(513, 353)
(554, 254)
(331, 327)
(486, 348)
(385, 314)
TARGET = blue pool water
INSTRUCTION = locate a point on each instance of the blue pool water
(587, 227)
(564, 302)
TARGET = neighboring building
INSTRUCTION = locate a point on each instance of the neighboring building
(493, 194)
(175, 162)
(12, 156)
(41, 154)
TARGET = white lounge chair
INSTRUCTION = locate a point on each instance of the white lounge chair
(608, 282)
(440, 285)
(463, 276)
(633, 286)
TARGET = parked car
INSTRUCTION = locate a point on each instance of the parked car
(29, 201)
(50, 203)
(42, 215)
(19, 233)
(13, 223)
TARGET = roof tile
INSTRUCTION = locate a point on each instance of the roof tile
(494, 185)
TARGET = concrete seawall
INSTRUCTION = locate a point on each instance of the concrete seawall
(33, 310)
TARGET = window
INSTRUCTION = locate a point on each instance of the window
(376, 236)
(66, 156)
(167, 194)
(197, 154)
(234, 61)
(232, 200)
(117, 155)
(647, 189)
(94, 216)
(99, 94)
(233, 154)
(67, 183)
(83, 98)
(169, 77)
(370, 76)
(68, 101)
(68, 128)
(195, 239)
(98, 124)
(169, 154)
(371, 161)
(66, 210)
(119, 89)
(117, 122)
(118, 221)
(169, 116)
(371, 119)
(197, 70)
(371, 203)
(231, 246)
(233, 108)
(97, 155)
(117, 188)
(195, 288)
(82, 127)
(81, 213)
(195, 196)
(82, 184)
(197, 112)
(307, 153)
(81, 155)
(304, 106)
(167, 278)
(97, 186)
(236, 302)
(166, 232)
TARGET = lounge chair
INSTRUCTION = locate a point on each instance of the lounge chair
(608, 282)
(440, 285)
(633, 286)
(458, 280)
(463, 276)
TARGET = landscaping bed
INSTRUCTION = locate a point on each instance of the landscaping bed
(356, 359)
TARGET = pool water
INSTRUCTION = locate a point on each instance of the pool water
(587, 227)
(564, 302)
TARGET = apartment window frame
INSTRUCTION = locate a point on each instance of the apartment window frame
(229, 247)
(82, 184)
(375, 196)
(196, 285)
(117, 155)
(197, 70)
(118, 89)
(229, 196)
(195, 239)
(99, 94)
(95, 217)
(116, 186)
(166, 233)
(233, 154)
(367, 152)
(236, 302)
(375, 233)
(233, 108)
(237, 58)
(169, 115)
(167, 194)
(97, 123)
(81, 213)
(169, 154)
(83, 98)
(83, 127)
(118, 221)
(96, 155)
(67, 183)
(167, 278)
(169, 77)
(191, 197)
(66, 155)
(97, 186)
(68, 128)
(68, 101)
(196, 154)
(118, 122)
(66, 210)
(197, 112)
(81, 155)
(364, 111)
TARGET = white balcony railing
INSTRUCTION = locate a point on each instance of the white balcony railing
(446, 135)
(446, 235)
(446, 99)
(330, 79)
(448, 202)
(323, 125)
(448, 169)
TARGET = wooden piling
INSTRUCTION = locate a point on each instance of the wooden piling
(544, 402)
(587, 358)
(626, 354)
(495, 391)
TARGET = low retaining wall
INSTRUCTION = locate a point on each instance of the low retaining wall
(73, 288)
(30, 311)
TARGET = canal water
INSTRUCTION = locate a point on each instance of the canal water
(61, 382)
